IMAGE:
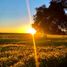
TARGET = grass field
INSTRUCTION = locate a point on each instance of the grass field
(51, 52)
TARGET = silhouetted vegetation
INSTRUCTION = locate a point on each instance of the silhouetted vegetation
(51, 20)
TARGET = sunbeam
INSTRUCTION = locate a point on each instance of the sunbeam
(32, 31)
(29, 11)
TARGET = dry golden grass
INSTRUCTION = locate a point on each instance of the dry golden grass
(19, 55)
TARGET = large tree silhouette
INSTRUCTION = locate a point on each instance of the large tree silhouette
(51, 20)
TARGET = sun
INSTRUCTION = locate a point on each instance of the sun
(32, 31)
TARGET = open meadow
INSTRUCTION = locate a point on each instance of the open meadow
(19, 52)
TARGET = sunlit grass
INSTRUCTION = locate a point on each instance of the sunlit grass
(17, 56)
(49, 51)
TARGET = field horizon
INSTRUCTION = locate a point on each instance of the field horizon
(17, 50)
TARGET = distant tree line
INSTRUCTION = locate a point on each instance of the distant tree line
(51, 20)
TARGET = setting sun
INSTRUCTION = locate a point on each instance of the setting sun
(32, 31)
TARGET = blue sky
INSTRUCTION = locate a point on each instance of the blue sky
(14, 14)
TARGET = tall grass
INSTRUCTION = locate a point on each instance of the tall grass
(19, 55)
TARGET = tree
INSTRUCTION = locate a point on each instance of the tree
(51, 20)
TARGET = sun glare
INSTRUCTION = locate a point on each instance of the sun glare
(32, 31)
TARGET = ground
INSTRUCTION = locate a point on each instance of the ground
(51, 52)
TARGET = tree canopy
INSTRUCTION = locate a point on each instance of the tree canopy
(51, 20)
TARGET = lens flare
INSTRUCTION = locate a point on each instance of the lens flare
(29, 11)
(35, 52)
(32, 31)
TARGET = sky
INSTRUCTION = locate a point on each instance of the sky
(15, 15)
